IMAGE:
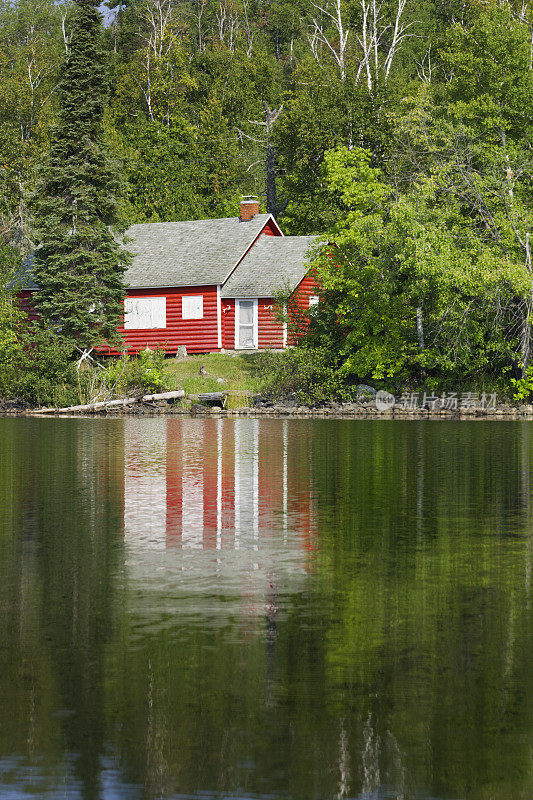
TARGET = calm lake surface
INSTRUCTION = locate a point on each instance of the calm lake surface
(266, 609)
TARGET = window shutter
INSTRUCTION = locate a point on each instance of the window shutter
(192, 306)
(142, 313)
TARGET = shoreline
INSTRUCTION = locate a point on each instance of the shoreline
(334, 410)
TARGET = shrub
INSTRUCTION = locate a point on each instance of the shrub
(523, 386)
(10, 345)
(38, 368)
(145, 372)
(305, 374)
(35, 366)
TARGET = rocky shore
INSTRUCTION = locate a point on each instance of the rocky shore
(260, 407)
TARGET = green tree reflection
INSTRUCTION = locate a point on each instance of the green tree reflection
(387, 657)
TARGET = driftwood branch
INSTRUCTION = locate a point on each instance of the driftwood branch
(105, 404)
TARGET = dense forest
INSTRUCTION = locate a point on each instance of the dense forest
(400, 130)
(192, 83)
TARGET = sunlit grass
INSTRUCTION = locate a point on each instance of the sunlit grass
(236, 372)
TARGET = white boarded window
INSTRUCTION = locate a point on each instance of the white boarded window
(192, 306)
(145, 312)
(313, 300)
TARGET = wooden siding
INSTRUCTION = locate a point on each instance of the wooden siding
(228, 324)
(23, 300)
(201, 336)
(198, 335)
(300, 305)
(270, 330)
(269, 230)
(306, 289)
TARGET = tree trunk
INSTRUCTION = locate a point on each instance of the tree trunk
(526, 309)
(420, 328)
(272, 204)
(525, 335)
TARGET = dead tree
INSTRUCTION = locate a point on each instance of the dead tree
(274, 207)
(159, 38)
(272, 200)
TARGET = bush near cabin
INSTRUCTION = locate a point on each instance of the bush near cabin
(35, 367)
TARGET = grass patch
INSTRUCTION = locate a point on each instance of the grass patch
(237, 373)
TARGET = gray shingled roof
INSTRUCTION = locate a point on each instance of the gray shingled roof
(188, 253)
(273, 264)
(22, 279)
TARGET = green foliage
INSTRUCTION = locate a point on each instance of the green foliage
(179, 173)
(321, 113)
(417, 168)
(9, 344)
(523, 387)
(416, 286)
(145, 372)
(489, 62)
(30, 48)
(46, 373)
(306, 375)
(187, 87)
(35, 366)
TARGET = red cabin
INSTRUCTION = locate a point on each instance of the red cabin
(210, 284)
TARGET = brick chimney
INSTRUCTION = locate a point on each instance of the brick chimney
(249, 208)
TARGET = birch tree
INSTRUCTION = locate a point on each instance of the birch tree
(159, 67)
(371, 44)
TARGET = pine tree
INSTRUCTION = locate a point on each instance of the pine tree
(79, 263)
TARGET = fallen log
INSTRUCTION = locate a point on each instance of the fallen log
(125, 401)
(105, 404)
(179, 394)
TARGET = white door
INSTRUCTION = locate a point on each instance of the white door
(246, 324)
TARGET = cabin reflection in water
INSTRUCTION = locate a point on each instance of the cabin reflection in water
(235, 491)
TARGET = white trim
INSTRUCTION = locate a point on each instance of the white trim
(285, 327)
(271, 218)
(255, 322)
(219, 317)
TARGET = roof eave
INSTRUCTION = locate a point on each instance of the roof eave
(176, 288)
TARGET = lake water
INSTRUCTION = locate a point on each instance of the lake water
(307, 609)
